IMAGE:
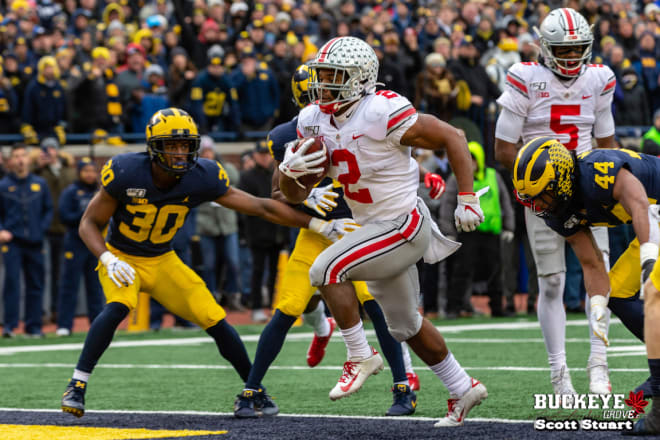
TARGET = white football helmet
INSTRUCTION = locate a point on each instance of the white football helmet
(355, 68)
(565, 27)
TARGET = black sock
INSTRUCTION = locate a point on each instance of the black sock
(100, 335)
(654, 366)
(388, 345)
(231, 347)
(631, 312)
(270, 344)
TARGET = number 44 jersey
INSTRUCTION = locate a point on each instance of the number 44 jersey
(565, 110)
(147, 218)
(379, 175)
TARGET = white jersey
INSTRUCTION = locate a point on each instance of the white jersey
(552, 108)
(379, 175)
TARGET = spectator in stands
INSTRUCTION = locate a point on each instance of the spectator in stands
(181, 74)
(78, 260)
(44, 104)
(96, 103)
(57, 168)
(651, 139)
(633, 108)
(213, 98)
(481, 245)
(258, 93)
(217, 227)
(435, 88)
(8, 105)
(129, 79)
(648, 69)
(26, 211)
(264, 239)
(389, 72)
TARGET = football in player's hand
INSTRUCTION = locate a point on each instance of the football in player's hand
(310, 180)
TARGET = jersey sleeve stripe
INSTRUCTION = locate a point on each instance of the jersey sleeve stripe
(398, 120)
(300, 135)
(517, 85)
(609, 87)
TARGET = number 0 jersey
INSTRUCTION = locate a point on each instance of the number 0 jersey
(593, 204)
(379, 175)
(553, 108)
(277, 140)
(147, 217)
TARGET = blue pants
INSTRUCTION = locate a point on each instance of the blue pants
(218, 252)
(30, 258)
(78, 260)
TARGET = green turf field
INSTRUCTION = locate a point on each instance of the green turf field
(182, 370)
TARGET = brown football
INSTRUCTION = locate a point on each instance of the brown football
(312, 179)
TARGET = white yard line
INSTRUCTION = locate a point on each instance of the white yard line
(215, 414)
(282, 367)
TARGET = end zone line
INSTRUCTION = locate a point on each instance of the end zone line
(322, 416)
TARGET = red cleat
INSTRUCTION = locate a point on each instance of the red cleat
(413, 381)
(317, 347)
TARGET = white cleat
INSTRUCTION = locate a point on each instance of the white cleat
(355, 374)
(561, 383)
(459, 407)
(599, 376)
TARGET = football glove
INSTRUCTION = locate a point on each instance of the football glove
(297, 164)
(322, 200)
(468, 214)
(648, 253)
(120, 272)
(507, 236)
(333, 230)
(61, 134)
(29, 135)
(436, 183)
(598, 317)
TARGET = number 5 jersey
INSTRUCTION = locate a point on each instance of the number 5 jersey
(566, 110)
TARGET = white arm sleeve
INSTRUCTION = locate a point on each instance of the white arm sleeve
(604, 125)
(509, 126)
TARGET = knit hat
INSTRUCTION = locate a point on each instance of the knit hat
(83, 162)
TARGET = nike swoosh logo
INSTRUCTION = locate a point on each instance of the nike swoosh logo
(345, 388)
(586, 97)
(358, 136)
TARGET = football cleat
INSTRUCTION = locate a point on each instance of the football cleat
(73, 399)
(459, 407)
(316, 350)
(405, 401)
(264, 404)
(599, 376)
(645, 387)
(646, 425)
(355, 373)
(245, 405)
(561, 381)
(413, 380)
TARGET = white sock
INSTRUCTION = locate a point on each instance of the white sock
(552, 318)
(317, 320)
(356, 342)
(598, 348)
(81, 375)
(407, 362)
(450, 372)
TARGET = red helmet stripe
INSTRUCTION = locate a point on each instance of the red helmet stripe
(323, 53)
(569, 21)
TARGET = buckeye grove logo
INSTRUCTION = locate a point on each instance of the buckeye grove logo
(610, 412)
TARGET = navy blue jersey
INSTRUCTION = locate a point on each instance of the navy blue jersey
(277, 140)
(147, 218)
(593, 203)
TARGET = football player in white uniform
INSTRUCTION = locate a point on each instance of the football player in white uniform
(564, 97)
(369, 135)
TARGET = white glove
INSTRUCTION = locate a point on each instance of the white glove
(322, 200)
(468, 214)
(120, 272)
(648, 253)
(598, 317)
(507, 236)
(297, 164)
(333, 230)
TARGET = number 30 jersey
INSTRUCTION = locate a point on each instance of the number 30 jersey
(379, 175)
(564, 110)
(147, 218)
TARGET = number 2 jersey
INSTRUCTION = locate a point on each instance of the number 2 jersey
(379, 175)
(596, 172)
(147, 218)
(277, 140)
(564, 110)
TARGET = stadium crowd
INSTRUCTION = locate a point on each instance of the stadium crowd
(102, 68)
